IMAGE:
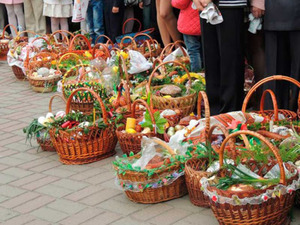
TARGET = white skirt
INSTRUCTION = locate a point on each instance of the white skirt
(58, 10)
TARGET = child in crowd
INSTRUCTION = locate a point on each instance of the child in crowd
(34, 18)
(59, 11)
(15, 14)
(114, 14)
(95, 19)
(189, 25)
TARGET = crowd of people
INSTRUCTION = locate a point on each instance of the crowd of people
(272, 47)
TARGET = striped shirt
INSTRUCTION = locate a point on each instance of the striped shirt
(232, 3)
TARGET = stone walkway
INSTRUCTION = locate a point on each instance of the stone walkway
(37, 189)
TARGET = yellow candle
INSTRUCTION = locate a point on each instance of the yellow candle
(94, 115)
(130, 123)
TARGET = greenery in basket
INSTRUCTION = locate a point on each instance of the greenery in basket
(34, 130)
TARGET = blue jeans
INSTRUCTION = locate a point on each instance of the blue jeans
(193, 44)
(95, 19)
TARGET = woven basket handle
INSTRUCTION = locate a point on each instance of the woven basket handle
(132, 41)
(108, 42)
(63, 34)
(69, 54)
(164, 144)
(42, 55)
(95, 95)
(41, 38)
(158, 61)
(104, 48)
(124, 85)
(25, 31)
(142, 102)
(131, 19)
(265, 80)
(275, 105)
(12, 27)
(52, 98)
(150, 39)
(145, 45)
(165, 51)
(261, 138)
(202, 95)
(78, 36)
(178, 44)
(123, 69)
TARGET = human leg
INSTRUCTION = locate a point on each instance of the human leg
(90, 20)
(166, 13)
(128, 14)
(232, 61)
(193, 44)
(29, 16)
(98, 20)
(147, 16)
(212, 65)
(11, 17)
(55, 25)
(18, 9)
(165, 36)
(64, 25)
(39, 19)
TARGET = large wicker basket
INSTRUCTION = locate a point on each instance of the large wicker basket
(186, 103)
(289, 115)
(167, 50)
(171, 191)
(266, 209)
(132, 142)
(4, 42)
(76, 147)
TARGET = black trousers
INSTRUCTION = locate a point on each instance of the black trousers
(113, 21)
(283, 58)
(223, 47)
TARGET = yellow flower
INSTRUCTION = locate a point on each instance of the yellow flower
(115, 69)
(123, 54)
(88, 54)
(53, 62)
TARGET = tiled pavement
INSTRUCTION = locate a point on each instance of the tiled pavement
(37, 189)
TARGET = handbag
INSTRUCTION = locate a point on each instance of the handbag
(130, 3)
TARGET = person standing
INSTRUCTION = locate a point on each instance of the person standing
(34, 18)
(189, 25)
(15, 14)
(95, 19)
(114, 14)
(282, 39)
(145, 5)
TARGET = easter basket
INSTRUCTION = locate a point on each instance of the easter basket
(4, 42)
(41, 83)
(166, 183)
(185, 103)
(243, 204)
(78, 77)
(286, 114)
(131, 142)
(175, 52)
(149, 47)
(81, 146)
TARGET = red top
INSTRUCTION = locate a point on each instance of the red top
(189, 19)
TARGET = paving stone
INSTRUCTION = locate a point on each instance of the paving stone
(196, 219)
(66, 206)
(54, 191)
(98, 197)
(82, 217)
(3, 198)
(10, 161)
(78, 195)
(170, 216)
(6, 214)
(85, 175)
(35, 163)
(38, 222)
(151, 211)
(18, 200)
(16, 172)
(50, 215)
(185, 204)
(59, 172)
(22, 219)
(47, 168)
(39, 183)
(105, 218)
(100, 178)
(10, 191)
(129, 221)
(26, 156)
(4, 178)
(34, 204)
(70, 184)
(26, 180)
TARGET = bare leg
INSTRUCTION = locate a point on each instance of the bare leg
(165, 36)
(11, 17)
(167, 15)
(55, 25)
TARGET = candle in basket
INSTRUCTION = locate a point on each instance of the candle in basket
(130, 123)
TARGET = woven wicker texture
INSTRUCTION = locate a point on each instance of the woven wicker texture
(272, 211)
(75, 147)
(132, 142)
(171, 47)
(155, 195)
(186, 103)
(288, 114)
(4, 47)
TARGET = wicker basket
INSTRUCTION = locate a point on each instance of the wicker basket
(4, 46)
(101, 51)
(132, 142)
(174, 190)
(154, 48)
(61, 46)
(172, 46)
(75, 147)
(272, 210)
(297, 199)
(82, 102)
(80, 41)
(270, 113)
(109, 42)
(186, 103)
(42, 84)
